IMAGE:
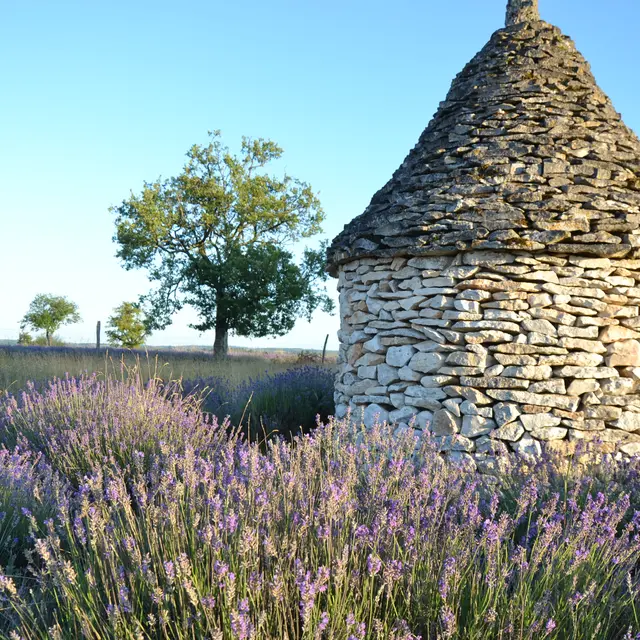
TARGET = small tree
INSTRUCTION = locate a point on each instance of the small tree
(48, 313)
(25, 338)
(126, 327)
(215, 237)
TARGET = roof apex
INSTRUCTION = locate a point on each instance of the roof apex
(522, 11)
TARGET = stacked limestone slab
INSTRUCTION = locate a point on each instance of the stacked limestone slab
(490, 292)
(495, 351)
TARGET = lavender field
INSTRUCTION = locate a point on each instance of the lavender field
(128, 513)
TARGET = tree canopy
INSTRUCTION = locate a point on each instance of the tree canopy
(48, 313)
(218, 237)
(126, 327)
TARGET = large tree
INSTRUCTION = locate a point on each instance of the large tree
(49, 313)
(218, 237)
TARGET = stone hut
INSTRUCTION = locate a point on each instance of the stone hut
(490, 292)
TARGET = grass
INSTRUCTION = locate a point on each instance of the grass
(19, 365)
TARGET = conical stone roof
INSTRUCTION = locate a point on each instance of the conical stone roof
(525, 153)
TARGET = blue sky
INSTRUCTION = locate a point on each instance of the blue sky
(98, 96)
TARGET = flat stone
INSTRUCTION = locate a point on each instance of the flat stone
(505, 414)
(424, 398)
(468, 408)
(455, 442)
(584, 292)
(494, 383)
(573, 359)
(549, 386)
(543, 327)
(550, 433)
(437, 381)
(374, 345)
(630, 448)
(409, 304)
(444, 423)
(409, 375)
(453, 405)
(578, 387)
(540, 300)
(367, 372)
(527, 447)
(406, 414)
(426, 362)
(501, 315)
(431, 262)
(473, 426)
(370, 399)
(585, 425)
(487, 258)
(528, 372)
(472, 395)
(467, 359)
(623, 354)
(629, 421)
(487, 444)
(387, 374)
(586, 372)
(590, 346)
(603, 412)
(505, 360)
(487, 325)
(484, 337)
(578, 332)
(369, 359)
(469, 306)
(495, 370)
(400, 356)
(590, 263)
(423, 420)
(460, 371)
(527, 349)
(618, 386)
(374, 414)
(615, 333)
(537, 399)
(539, 421)
(511, 432)
(552, 315)
(474, 294)
(541, 339)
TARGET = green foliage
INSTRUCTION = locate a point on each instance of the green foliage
(49, 313)
(25, 338)
(215, 238)
(126, 327)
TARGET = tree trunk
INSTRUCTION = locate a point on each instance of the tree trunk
(48, 334)
(221, 342)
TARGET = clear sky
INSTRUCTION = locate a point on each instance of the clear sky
(97, 96)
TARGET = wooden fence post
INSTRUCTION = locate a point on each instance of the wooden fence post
(98, 336)
(324, 349)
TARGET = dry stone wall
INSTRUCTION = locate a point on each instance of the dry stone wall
(494, 352)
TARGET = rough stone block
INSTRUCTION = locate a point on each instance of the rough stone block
(623, 354)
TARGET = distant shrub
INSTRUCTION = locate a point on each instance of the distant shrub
(25, 338)
(285, 403)
(309, 357)
(41, 341)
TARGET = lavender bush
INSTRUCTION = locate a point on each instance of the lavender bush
(285, 403)
(344, 533)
